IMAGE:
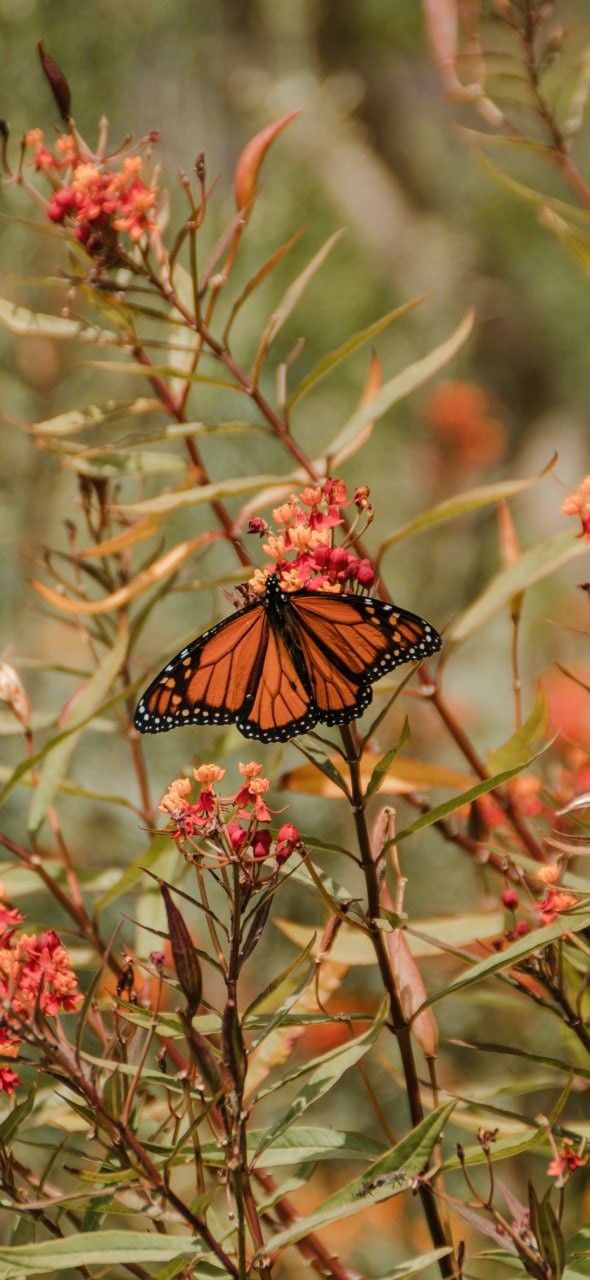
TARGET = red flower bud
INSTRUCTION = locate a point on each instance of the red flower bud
(287, 841)
(257, 525)
(339, 560)
(510, 899)
(261, 843)
(522, 928)
(56, 81)
(236, 836)
(365, 573)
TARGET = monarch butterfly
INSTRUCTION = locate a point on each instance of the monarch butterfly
(280, 665)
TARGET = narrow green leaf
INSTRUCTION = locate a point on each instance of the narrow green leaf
(295, 292)
(159, 847)
(263, 271)
(346, 349)
(23, 322)
(417, 1265)
(516, 751)
(94, 415)
(542, 1058)
(168, 502)
(94, 1248)
(58, 757)
(538, 940)
(130, 369)
(384, 764)
(466, 797)
(461, 505)
(263, 1002)
(534, 565)
(392, 1174)
(302, 1143)
(324, 1072)
(100, 464)
(401, 386)
(12, 1122)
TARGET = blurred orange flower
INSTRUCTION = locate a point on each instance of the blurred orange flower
(461, 415)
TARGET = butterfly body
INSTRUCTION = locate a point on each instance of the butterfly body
(282, 664)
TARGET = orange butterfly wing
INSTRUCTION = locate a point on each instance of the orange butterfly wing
(349, 641)
(208, 682)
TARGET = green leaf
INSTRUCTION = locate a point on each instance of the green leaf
(12, 1122)
(295, 292)
(392, 1174)
(93, 1248)
(461, 505)
(265, 270)
(401, 386)
(534, 565)
(23, 322)
(325, 1073)
(264, 1002)
(543, 1059)
(105, 463)
(302, 1143)
(538, 940)
(346, 349)
(516, 751)
(94, 415)
(165, 503)
(384, 764)
(466, 797)
(413, 1268)
(158, 848)
(58, 757)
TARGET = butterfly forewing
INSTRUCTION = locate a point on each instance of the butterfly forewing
(207, 682)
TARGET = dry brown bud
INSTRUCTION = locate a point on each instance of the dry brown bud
(12, 691)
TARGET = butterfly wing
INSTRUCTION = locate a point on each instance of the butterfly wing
(240, 672)
(349, 641)
(208, 682)
(279, 704)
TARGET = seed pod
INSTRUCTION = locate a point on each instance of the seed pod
(186, 961)
(56, 81)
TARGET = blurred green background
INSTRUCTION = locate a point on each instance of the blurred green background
(375, 151)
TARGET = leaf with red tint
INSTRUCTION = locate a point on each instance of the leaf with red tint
(250, 160)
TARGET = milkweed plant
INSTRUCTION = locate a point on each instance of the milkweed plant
(242, 1050)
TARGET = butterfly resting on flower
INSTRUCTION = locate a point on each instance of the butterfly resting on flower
(285, 663)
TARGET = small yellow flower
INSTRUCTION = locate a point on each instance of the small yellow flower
(250, 770)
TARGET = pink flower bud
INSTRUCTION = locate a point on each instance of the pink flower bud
(236, 836)
(522, 928)
(287, 840)
(339, 560)
(365, 573)
(510, 899)
(261, 843)
(257, 525)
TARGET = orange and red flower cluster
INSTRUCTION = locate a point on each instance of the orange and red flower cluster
(231, 826)
(92, 197)
(35, 974)
(578, 504)
(564, 1163)
(301, 546)
(542, 911)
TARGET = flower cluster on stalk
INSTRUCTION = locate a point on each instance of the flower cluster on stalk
(228, 829)
(301, 547)
(35, 977)
(95, 197)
